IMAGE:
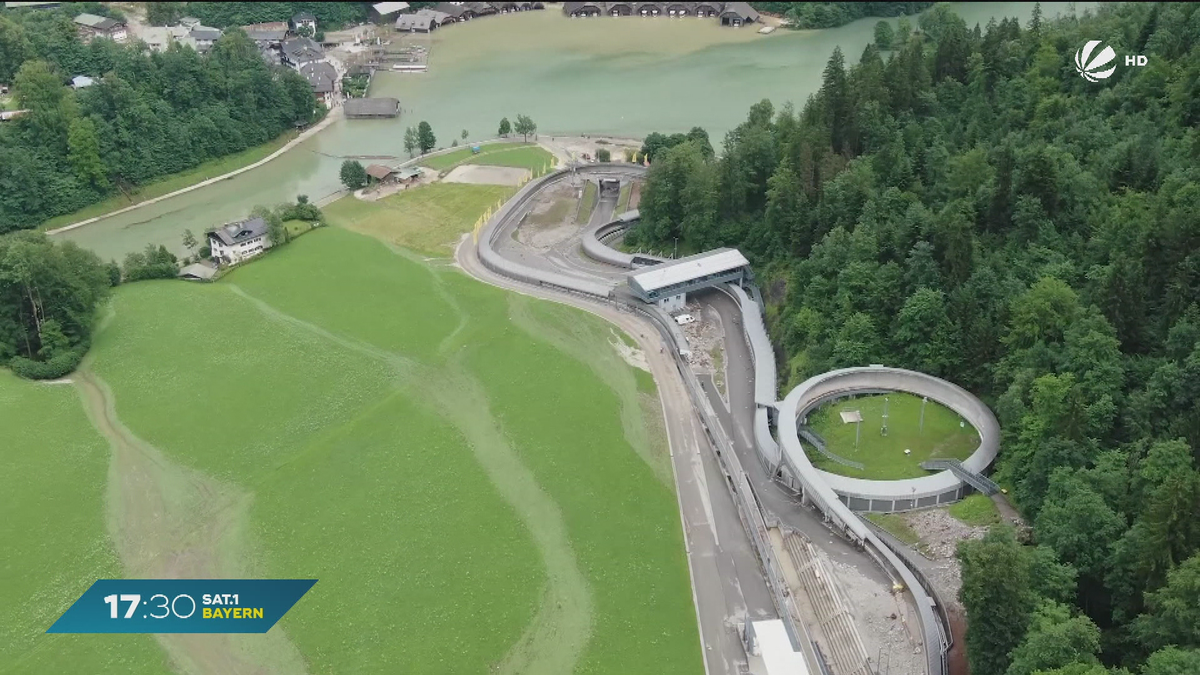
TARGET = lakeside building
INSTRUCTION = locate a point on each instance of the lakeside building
(90, 27)
(235, 242)
(382, 11)
(734, 14)
(428, 19)
(323, 79)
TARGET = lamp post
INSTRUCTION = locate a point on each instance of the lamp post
(676, 248)
(883, 431)
(924, 400)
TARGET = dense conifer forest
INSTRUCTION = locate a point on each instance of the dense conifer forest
(147, 115)
(969, 206)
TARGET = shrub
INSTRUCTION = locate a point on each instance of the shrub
(603, 155)
(52, 369)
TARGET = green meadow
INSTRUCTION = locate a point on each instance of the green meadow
(883, 457)
(478, 479)
(518, 155)
(53, 532)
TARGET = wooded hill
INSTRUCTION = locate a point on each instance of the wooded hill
(147, 115)
(973, 208)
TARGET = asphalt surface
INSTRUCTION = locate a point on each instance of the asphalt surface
(738, 420)
(727, 582)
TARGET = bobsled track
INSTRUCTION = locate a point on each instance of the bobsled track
(592, 276)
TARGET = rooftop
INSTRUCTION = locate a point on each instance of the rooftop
(320, 75)
(779, 657)
(379, 171)
(97, 22)
(385, 8)
(235, 233)
(692, 267)
(303, 49)
(373, 107)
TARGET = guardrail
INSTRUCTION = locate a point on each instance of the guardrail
(749, 511)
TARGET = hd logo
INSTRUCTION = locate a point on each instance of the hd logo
(1091, 67)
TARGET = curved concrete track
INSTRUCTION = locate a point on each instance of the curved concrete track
(902, 495)
(579, 281)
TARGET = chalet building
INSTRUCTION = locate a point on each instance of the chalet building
(384, 11)
(323, 79)
(732, 14)
(301, 51)
(90, 27)
(304, 20)
(427, 19)
(422, 21)
(235, 242)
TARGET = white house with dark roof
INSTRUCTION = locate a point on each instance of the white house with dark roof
(300, 51)
(235, 242)
(304, 20)
(323, 79)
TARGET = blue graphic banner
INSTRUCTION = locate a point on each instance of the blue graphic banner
(182, 606)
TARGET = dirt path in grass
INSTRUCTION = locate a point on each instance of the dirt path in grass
(169, 522)
(553, 643)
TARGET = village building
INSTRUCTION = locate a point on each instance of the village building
(422, 21)
(371, 108)
(203, 37)
(90, 27)
(232, 243)
(732, 14)
(301, 51)
(304, 20)
(270, 34)
(386, 175)
(323, 79)
(189, 22)
(384, 11)
(266, 38)
(737, 14)
(198, 272)
(81, 81)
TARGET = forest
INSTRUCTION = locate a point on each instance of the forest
(148, 114)
(833, 14)
(330, 15)
(971, 207)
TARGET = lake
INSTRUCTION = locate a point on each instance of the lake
(620, 76)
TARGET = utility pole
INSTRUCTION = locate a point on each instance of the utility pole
(924, 400)
(857, 431)
(883, 431)
(676, 248)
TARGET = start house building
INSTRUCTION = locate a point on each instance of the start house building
(668, 284)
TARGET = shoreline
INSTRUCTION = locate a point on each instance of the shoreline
(332, 115)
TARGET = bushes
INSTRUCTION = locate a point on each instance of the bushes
(52, 369)
(154, 263)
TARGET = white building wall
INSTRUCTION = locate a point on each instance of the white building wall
(240, 251)
(672, 303)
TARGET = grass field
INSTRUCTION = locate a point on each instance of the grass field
(428, 219)
(519, 155)
(623, 198)
(976, 509)
(895, 525)
(171, 183)
(883, 456)
(53, 532)
(587, 203)
(480, 490)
